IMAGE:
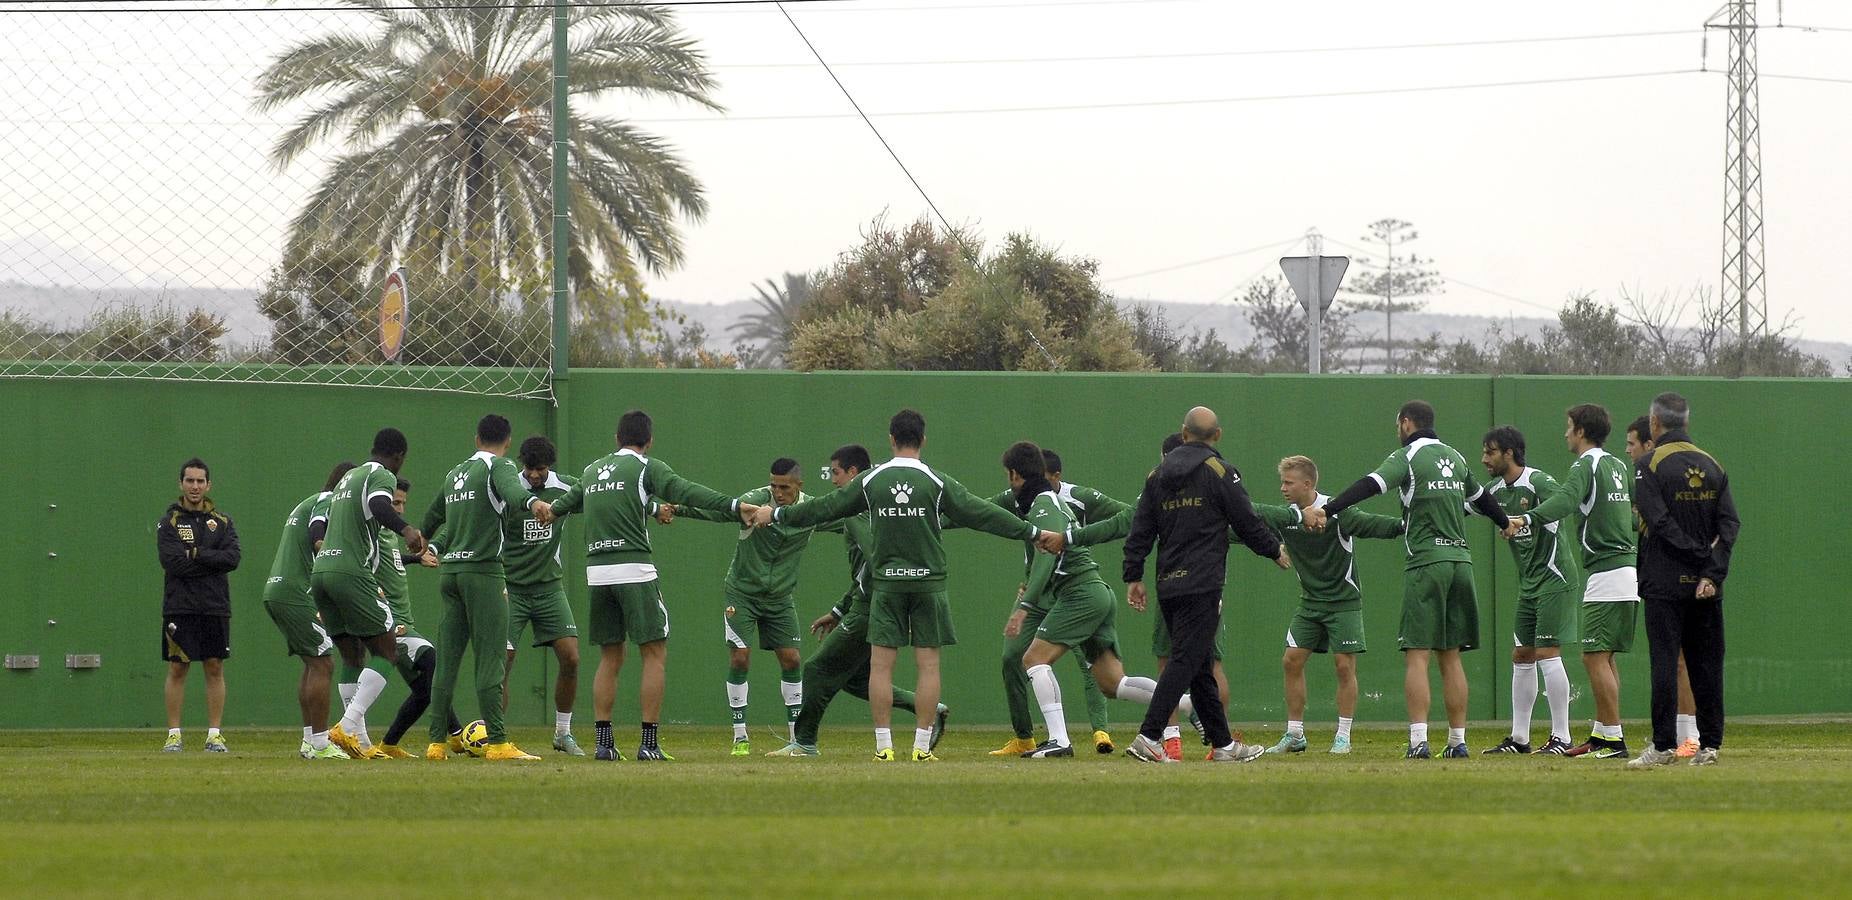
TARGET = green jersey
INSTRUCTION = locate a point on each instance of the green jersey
(477, 494)
(1087, 504)
(1106, 530)
(614, 496)
(1326, 561)
(1435, 484)
(289, 573)
(392, 580)
(1545, 562)
(1048, 574)
(532, 551)
(351, 545)
(856, 539)
(905, 500)
(765, 561)
(1598, 487)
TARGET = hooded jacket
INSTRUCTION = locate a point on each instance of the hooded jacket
(197, 548)
(1189, 502)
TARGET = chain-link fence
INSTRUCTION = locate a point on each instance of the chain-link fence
(269, 192)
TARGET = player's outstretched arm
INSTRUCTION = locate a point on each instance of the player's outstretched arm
(754, 497)
(1141, 534)
(1099, 506)
(1358, 523)
(840, 503)
(1562, 502)
(573, 500)
(661, 481)
(1105, 530)
(969, 510)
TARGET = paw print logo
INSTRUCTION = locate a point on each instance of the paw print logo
(1694, 477)
(1619, 484)
(1446, 467)
(604, 472)
(903, 493)
(457, 485)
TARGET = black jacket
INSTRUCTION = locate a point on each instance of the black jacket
(1688, 518)
(197, 548)
(1189, 502)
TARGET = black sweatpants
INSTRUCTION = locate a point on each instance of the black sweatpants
(1695, 626)
(1193, 620)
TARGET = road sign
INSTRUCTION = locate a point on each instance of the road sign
(1298, 271)
(394, 308)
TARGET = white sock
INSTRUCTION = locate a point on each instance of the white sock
(739, 730)
(318, 740)
(1343, 727)
(922, 739)
(1185, 706)
(1523, 699)
(354, 720)
(562, 723)
(884, 739)
(736, 701)
(1456, 736)
(173, 732)
(1173, 731)
(1048, 694)
(1296, 729)
(794, 697)
(307, 732)
(1608, 732)
(1417, 733)
(1687, 728)
(1135, 688)
(347, 692)
(211, 733)
(1556, 688)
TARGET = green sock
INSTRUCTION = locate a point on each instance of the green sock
(736, 701)
(791, 682)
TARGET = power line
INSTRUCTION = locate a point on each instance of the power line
(1200, 262)
(128, 6)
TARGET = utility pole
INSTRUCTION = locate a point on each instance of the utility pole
(1745, 295)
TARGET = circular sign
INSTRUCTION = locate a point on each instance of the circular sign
(394, 306)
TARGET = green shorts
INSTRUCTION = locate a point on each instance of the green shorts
(1440, 610)
(411, 646)
(628, 612)
(910, 620)
(1326, 630)
(1607, 627)
(767, 624)
(350, 605)
(1160, 635)
(1083, 619)
(302, 629)
(1543, 621)
(547, 608)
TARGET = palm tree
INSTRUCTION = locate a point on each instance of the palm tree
(776, 319)
(445, 107)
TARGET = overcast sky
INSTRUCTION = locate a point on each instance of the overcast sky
(144, 163)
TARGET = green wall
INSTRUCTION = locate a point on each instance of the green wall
(106, 454)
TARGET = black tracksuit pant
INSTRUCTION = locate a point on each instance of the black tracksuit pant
(1695, 626)
(1193, 620)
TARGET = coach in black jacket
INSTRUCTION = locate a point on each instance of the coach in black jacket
(1189, 502)
(198, 547)
(1683, 497)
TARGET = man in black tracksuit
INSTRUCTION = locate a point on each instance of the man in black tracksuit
(197, 546)
(1690, 523)
(1189, 502)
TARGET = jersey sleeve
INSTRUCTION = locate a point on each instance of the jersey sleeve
(1099, 506)
(661, 481)
(506, 480)
(841, 503)
(574, 498)
(380, 483)
(1358, 523)
(1562, 502)
(1393, 473)
(1277, 517)
(756, 497)
(1104, 530)
(968, 510)
(434, 516)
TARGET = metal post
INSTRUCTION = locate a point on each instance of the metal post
(562, 243)
(1315, 312)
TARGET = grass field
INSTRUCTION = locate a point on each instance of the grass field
(104, 813)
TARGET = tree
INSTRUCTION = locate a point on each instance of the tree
(447, 109)
(1282, 332)
(1394, 282)
(771, 327)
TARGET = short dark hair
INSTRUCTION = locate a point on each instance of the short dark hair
(907, 428)
(1506, 437)
(1592, 420)
(1172, 441)
(785, 465)
(1672, 409)
(195, 463)
(404, 485)
(537, 451)
(1051, 461)
(1642, 427)
(1025, 459)
(1420, 412)
(341, 468)
(493, 429)
(389, 442)
(851, 456)
(634, 429)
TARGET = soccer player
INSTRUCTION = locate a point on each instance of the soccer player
(1064, 605)
(841, 662)
(344, 582)
(1440, 610)
(1548, 579)
(1639, 446)
(1330, 614)
(536, 586)
(1087, 505)
(760, 594)
(614, 495)
(905, 499)
(417, 662)
(292, 608)
(1598, 489)
(470, 504)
